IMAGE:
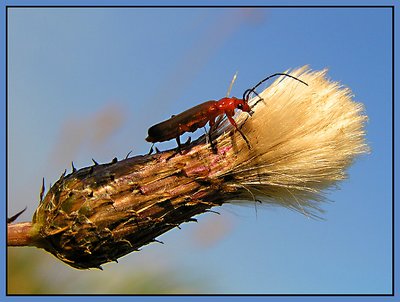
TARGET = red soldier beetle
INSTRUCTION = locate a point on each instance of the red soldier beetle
(198, 116)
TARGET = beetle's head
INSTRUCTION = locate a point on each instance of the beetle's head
(242, 105)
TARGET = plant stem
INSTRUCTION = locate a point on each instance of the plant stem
(19, 234)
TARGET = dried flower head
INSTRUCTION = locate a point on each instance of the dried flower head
(302, 140)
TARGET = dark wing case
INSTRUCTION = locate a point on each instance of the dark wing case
(187, 121)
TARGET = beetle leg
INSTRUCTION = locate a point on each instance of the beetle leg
(178, 149)
(151, 149)
(188, 141)
(178, 140)
(232, 121)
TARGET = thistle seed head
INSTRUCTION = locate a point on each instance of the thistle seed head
(302, 138)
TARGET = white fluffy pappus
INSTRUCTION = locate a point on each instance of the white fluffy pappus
(303, 138)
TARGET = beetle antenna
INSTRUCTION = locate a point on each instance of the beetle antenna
(231, 84)
(247, 92)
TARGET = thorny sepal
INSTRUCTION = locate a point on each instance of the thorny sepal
(14, 217)
(96, 215)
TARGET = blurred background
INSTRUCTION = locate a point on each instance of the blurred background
(87, 83)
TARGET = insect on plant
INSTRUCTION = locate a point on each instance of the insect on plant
(198, 116)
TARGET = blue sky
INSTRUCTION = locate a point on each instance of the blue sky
(114, 72)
